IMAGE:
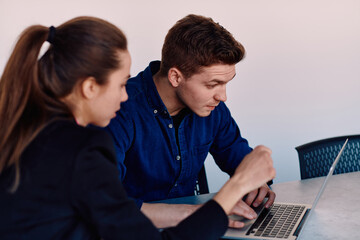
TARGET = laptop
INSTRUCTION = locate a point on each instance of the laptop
(281, 220)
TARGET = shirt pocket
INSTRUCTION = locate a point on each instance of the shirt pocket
(201, 151)
(198, 156)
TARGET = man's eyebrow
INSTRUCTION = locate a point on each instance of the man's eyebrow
(220, 81)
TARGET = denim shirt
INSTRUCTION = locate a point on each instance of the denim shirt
(150, 163)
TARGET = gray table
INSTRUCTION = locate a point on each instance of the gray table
(337, 215)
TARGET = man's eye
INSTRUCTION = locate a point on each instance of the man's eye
(211, 86)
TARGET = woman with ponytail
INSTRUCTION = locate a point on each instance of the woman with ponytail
(58, 178)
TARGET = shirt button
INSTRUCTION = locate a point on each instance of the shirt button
(178, 157)
(155, 111)
(175, 185)
(170, 125)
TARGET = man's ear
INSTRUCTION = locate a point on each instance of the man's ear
(175, 77)
(89, 88)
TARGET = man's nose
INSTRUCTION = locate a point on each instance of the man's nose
(221, 94)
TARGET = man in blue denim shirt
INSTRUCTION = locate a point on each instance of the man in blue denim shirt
(175, 116)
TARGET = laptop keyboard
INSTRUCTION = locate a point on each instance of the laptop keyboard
(277, 221)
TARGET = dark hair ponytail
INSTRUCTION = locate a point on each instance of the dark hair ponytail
(19, 89)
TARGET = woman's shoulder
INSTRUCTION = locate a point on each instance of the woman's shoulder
(69, 130)
(66, 138)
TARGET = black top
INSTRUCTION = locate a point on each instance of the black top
(177, 119)
(70, 189)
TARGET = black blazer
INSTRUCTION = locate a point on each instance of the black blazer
(69, 189)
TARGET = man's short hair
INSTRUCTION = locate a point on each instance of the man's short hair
(197, 41)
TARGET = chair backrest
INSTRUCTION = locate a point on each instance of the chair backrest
(315, 158)
(201, 186)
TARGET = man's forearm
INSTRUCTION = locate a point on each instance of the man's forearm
(167, 215)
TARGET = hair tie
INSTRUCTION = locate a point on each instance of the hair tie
(51, 35)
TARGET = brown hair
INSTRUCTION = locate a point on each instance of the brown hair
(195, 42)
(30, 89)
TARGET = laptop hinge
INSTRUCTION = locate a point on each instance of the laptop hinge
(299, 227)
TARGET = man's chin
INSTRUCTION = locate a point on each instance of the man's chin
(204, 113)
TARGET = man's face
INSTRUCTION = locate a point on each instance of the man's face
(203, 91)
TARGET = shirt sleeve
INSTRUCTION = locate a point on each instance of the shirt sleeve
(229, 147)
(100, 200)
(121, 128)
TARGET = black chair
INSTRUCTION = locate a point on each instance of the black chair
(201, 186)
(316, 158)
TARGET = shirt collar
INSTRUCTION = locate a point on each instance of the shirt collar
(153, 98)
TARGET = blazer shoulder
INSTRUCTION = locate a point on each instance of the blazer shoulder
(71, 136)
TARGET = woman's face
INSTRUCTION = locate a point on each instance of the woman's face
(104, 107)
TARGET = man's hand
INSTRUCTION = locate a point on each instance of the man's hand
(254, 198)
(167, 215)
(241, 209)
(253, 172)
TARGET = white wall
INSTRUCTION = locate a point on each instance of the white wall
(299, 82)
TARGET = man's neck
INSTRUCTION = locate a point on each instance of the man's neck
(168, 95)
